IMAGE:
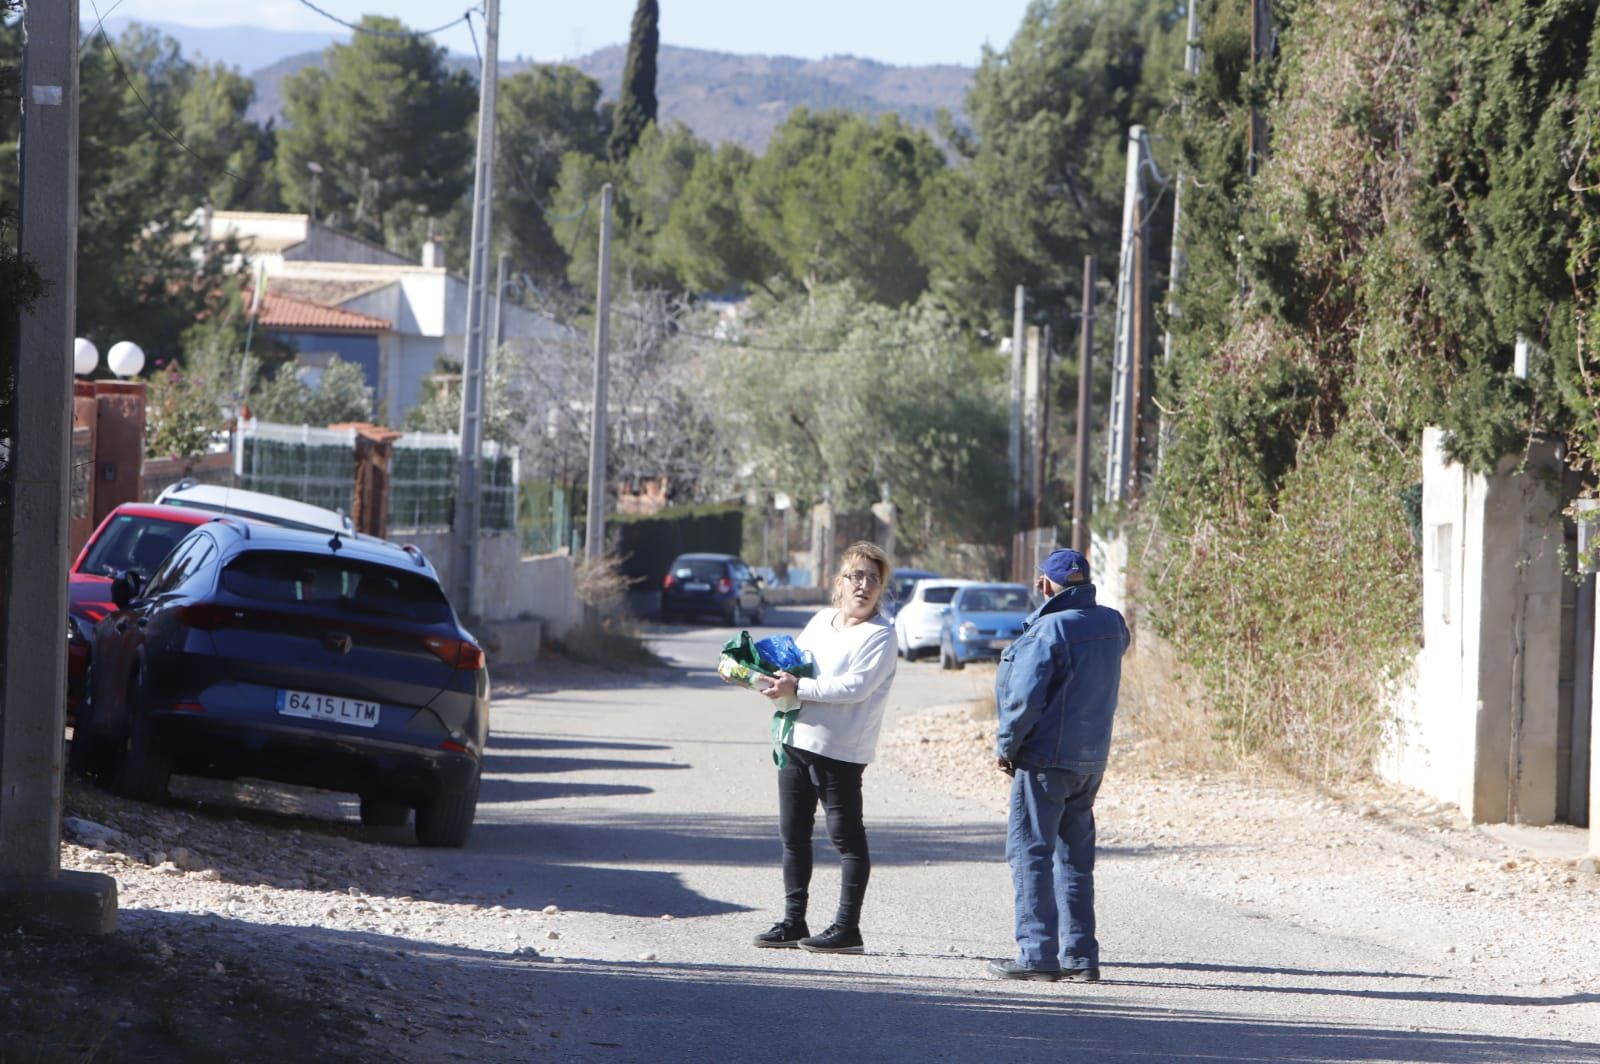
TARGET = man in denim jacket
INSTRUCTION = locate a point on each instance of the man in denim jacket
(1056, 690)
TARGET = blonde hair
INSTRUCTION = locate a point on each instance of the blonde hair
(861, 552)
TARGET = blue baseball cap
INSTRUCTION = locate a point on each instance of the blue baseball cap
(1065, 566)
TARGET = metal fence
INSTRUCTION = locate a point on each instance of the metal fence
(317, 466)
(422, 484)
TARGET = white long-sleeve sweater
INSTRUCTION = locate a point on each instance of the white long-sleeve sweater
(841, 711)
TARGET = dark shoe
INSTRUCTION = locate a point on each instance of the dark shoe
(1081, 975)
(1013, 970)
(786, 934)
(836, 939)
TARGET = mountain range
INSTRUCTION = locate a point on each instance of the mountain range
(720, 96)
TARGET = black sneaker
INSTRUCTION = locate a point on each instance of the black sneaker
(1013, 970)
(786, 934)
(836, 939)
(1081, 975)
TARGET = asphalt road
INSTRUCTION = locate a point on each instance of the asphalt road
(647, 812)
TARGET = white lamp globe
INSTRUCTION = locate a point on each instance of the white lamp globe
(125, 358)
(85, 357)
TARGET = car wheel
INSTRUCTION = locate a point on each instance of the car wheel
(446, 819)
(732, 617)
(758, 615)
(144, 768)
(376, 813)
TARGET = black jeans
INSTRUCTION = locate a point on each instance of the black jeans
(805, 779)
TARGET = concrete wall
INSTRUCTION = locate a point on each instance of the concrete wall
(512, 587)
(1478, 724)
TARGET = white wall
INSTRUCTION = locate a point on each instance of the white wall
(1477, 727)
(510, 585)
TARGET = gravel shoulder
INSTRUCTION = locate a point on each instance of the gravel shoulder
(264, 923)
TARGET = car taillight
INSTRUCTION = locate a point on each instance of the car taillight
(667, 582)
(209, 616)
(457, 653)
(724, 585)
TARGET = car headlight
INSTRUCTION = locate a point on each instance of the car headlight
(968, 630)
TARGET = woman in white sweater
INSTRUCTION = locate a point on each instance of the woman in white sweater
(835, 737)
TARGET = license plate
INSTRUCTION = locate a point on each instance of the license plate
(697, 587)
(327, 707)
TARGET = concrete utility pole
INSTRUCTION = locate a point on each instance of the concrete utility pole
(469, 485)
(1041, 424)
(1260, 52)
(1082, 495)
(33, 888)
(497, 323)
(1014, 450)
(1191, 67)
(595, 528)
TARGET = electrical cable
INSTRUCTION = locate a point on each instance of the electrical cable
(102, 21)
(402, 35)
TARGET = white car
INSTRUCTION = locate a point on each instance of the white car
(920, 618)
(272, 509)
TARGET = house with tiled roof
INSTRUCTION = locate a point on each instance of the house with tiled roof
(329, 293)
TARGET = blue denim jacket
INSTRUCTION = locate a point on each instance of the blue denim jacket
(1056, 688)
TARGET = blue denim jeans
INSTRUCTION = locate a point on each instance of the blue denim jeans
(1050, 844)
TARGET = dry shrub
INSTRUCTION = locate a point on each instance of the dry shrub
(600, 582)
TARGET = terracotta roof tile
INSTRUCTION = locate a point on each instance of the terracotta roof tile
(279, 311)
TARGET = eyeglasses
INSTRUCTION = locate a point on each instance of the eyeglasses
(862, 578)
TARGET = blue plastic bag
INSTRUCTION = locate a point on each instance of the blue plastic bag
(780, 652)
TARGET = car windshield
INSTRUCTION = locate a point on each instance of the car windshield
(700, 569)
(995, 600)
(939, 596)
(134, 543)
(272, 576)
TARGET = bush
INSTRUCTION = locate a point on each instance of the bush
(647, 544)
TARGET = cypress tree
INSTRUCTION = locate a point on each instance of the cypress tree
(637, 107)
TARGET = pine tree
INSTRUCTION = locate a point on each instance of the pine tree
(637, 108)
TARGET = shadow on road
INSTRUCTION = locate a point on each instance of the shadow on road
(793, 1007)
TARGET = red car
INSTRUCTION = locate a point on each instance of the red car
(134, 536)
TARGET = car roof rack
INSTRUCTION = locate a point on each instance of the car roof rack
(417, 557)
(234, 522)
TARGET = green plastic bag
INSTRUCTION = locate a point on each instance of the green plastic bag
(740, 663)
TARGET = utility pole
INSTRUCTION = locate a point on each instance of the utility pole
(497, 325)
(1138, 362)
(1191, 67)
(595, 528)
(1041, 426)
(1014, 450)
(1119, 444)
(469, 488)
(1082, 496)
(1260, 52)
(33, 887)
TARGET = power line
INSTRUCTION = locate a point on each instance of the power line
(402, 35)
(150, 111)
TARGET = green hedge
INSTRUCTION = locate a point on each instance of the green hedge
(647, 543)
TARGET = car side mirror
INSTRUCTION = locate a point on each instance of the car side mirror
(126, 587)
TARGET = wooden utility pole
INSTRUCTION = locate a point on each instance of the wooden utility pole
(595, 526)
(33, 888)
(1082, 496)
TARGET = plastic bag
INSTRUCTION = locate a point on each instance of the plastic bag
(747, 663)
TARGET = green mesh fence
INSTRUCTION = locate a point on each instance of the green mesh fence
(422, 484)
(312, 465)
(317, 466)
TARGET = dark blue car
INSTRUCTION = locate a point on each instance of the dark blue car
(309, 658)
(719, 585)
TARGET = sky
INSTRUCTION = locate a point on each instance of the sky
(899, 32)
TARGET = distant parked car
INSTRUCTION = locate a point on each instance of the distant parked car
(712, 584)
(982, 621)
(901, 581)
(215, 499)
(921, 616)
(309, 658)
